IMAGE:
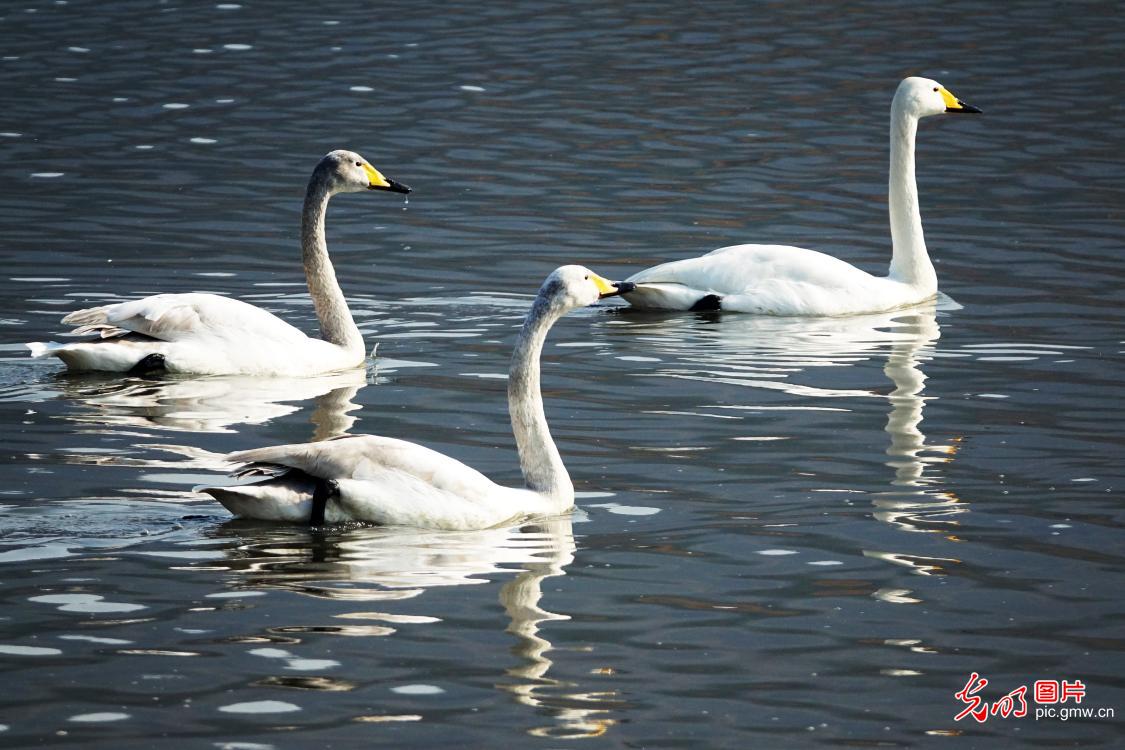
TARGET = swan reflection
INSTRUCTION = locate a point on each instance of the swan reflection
(915, 502)
(365, 570)
(772, 352)
(212, 404)
(532, 686)
(779, 353)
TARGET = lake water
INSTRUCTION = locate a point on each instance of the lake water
(790, 532)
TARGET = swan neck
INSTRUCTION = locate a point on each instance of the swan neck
(336, 323)
(542, 466)
(910, 261)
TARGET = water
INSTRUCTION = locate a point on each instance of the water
(790, 533)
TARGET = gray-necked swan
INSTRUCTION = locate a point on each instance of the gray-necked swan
(394, 482)
(212, 335)
(782, 280)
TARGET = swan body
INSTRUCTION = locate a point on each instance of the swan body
(783, 280)
(209, 334)
(393, 482)
(382, 480)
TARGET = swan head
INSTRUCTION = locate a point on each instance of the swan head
(923, 97)
(569, 287)
(348, 172)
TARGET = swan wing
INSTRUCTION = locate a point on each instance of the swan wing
(185, 317)
(395, 498)
(372, 458)
(737, 269)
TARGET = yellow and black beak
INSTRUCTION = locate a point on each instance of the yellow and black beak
(608, 288)
(955, 106)
(379, 182)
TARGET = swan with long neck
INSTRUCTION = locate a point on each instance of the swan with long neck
(783, 280)
(209, 334)
(397, 483)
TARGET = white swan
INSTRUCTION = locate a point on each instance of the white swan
(212, 335)
(782, 280)
(393, 482)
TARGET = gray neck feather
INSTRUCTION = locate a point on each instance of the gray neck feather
(542, 466)
(336, 323)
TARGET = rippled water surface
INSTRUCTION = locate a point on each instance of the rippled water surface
(789, 532)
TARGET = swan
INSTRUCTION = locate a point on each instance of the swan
(394, 482)
(206, 334)
(782, 280)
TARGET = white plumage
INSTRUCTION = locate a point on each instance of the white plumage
(378, 479)
(214, 335)
(783, 280)
(393, 482)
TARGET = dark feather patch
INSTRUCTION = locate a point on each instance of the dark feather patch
(708, 303)
(149, 365)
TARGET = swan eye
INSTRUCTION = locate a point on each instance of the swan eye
(935, 88)
(586, 277)
(360, 164)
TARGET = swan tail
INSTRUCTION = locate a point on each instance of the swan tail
(40, 349)
(115, 350)
(114, 355)
(287, 497)
(671, 296)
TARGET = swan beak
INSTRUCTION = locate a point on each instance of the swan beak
(953, 105)
(608, 288)
(379, 182)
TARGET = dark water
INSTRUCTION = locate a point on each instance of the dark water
(790, 533)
